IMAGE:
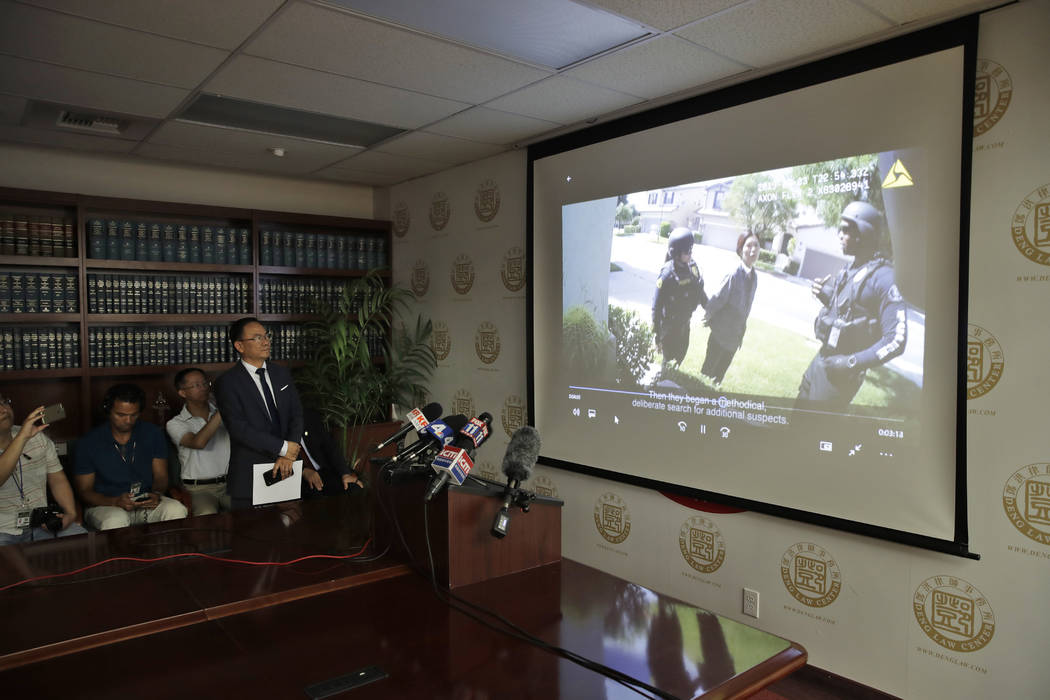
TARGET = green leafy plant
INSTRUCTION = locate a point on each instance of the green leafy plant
(585, 342)
(634, 344)
(665, 229)
(357, 370)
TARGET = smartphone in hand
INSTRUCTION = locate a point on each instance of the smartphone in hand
(54, 412)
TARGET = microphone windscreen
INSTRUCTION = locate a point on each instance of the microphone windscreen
(522, 453)
(456, 421)
(432, 411)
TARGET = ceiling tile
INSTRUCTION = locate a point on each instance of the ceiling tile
(902, 11)
(259, 80)
(656, 68)
(300, 154)
(79, 88)
(61, 139)
(257, 161)
(334, 41)
(563, 100)
(441, 148)
(12, 108)
(389, 164)
(783, 30)
(223, 23)
(359, 177)
(52, 37)
(665, 14)
(491, 126)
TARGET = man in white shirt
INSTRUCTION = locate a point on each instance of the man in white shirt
(204, 444)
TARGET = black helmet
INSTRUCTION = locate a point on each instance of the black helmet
(866, 218)
(680, 241)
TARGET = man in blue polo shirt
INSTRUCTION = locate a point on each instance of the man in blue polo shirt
(122, 466)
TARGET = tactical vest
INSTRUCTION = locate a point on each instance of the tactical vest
(842, 325)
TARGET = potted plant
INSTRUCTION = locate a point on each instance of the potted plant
(359, 368)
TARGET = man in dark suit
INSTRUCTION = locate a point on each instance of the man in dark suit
(261, 410)
(325, 470)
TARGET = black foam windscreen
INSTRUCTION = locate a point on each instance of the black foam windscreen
(522, 453)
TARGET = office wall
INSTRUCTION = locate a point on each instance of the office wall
(909, 622)
(103, 175)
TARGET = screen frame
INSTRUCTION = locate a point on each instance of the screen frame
(957, 33)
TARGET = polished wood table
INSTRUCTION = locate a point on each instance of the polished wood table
(193, 628)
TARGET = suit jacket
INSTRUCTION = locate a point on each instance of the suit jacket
(325, 452)
(246, 419)
(727, 311)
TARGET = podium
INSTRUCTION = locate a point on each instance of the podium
(459, 522)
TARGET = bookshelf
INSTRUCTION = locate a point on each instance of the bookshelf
(150, 287)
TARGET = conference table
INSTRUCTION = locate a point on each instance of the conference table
(180, 624)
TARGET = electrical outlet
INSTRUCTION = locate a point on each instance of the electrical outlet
(750, 602)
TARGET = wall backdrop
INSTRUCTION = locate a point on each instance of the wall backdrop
(906, 621)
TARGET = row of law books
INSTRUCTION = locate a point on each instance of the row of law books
(44, 347)
(335, 251)
(46, 236)
(152, 241)
(167, 294)
(38, 293)
(298, 296)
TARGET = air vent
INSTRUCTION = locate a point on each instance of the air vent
(84, 121)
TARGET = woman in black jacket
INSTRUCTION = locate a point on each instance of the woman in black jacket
(727, 311)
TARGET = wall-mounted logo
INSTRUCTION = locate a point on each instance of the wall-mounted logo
(810, 574)
(486, 342)
(1026, 500)
(993, 89)
(420, 281)
(513, 414)
(441, 341)
(543, 486)
(612, 518)
(402, 220)
(984, 361)
(512, 272)
(463, 402)
(953, 613)
(1030, 227)
(440, 211)
(486, 470)
(701, 544)
(462, 274)
(486, 201)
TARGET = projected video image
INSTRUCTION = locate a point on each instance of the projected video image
(797, 288)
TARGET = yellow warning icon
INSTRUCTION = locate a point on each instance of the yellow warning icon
(898, 177)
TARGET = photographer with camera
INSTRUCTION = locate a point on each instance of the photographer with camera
(28, 467)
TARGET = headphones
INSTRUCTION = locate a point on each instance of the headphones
(122, 390)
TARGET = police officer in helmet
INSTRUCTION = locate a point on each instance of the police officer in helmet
(863, 322)
(679, 290)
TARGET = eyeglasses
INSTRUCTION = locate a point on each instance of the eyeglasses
(258, 338)
(197, 385)
(6, 401)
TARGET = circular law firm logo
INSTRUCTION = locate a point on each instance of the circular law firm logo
(462, 274)
(440, 211)
(810, 574)
(701, 544)
(513, 414)
(1030, 227)
(512, 272)
(984, 361)
(402, 220)
(441, 341)
(486, 342)
(420, 280)
(543, 486)
(993, 89)
(953, 613)
(612, 518)
(1026, 500)
(463, 403)
(486, 201)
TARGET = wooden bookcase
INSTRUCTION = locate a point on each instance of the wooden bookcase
(81, 388)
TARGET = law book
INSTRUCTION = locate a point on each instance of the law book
(137, 303)
(300, 250)
(279, 249)
(7, 234)
(156, 243)
(244, 246)
(221, 245)
(172, 234)
(142, 241)
(68, 238)
(289, 248)
(207, 245)
(32, 292)
(96, 233)
(68, 348)
(58, 294)
(48, 229)
(194, 255)
(182, 244)
(123, 296)
(310, 247)
(46, 298)
(31, 348)
(7, 348)
(265, 248)
(49, 340)
(5, 292)
(35, 234)
(21, 235)
(72, 295)
(127, 240)
(92, 293)
(112, 239)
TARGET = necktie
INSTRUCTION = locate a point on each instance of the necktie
(275, 421)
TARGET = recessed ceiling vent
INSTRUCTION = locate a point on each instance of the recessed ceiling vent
(85, 121)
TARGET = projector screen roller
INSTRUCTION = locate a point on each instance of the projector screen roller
(760, 304)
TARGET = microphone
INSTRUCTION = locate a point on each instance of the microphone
(418, 418)
(521, 456)
(456, 460)
(433, 437)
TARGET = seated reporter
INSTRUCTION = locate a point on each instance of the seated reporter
(28, 467)
(121, 468)
(203, 443)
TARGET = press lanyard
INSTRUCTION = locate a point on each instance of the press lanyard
(19, 481)
(123, 458)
